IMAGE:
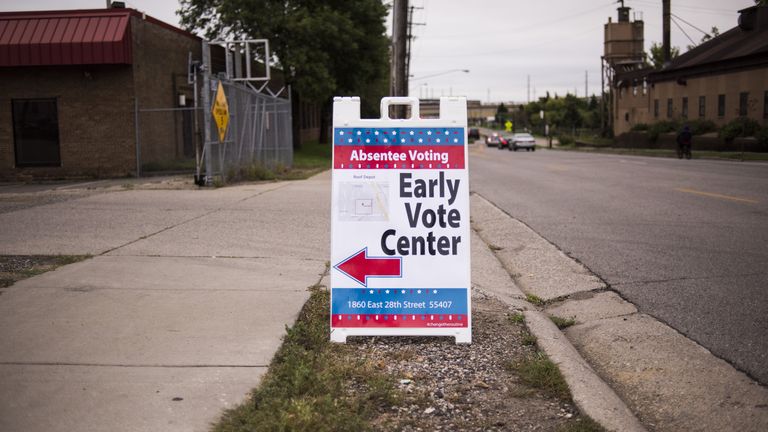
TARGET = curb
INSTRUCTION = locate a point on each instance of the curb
(590, 393)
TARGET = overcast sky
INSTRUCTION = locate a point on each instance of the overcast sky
(503, 42)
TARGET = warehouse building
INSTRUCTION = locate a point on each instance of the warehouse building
(720, 80)
(69, 86)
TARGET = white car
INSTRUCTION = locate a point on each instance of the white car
(522, 141)
(492, 139)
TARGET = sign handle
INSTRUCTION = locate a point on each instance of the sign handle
(400, 100)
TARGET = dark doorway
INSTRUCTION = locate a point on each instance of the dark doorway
(36, 132)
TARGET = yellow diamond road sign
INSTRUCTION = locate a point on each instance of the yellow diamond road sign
(220, 112)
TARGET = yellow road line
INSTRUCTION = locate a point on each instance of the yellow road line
(717, 195)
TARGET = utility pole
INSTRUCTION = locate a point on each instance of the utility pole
(399, 77)
(410, 40)
(666, 42)
(529, 89)
(586, 84)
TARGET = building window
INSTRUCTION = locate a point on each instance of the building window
(743, 99)
(669, 108)
(36, 132)
(721, 105)
(702, 106)
(656, 108)
(685, 108)
(645, 86)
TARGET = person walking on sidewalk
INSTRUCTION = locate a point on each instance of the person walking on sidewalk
(684, 142)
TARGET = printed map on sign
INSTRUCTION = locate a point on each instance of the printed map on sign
(365, 201)
(400, 223)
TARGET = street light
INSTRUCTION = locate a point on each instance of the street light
(411, 77)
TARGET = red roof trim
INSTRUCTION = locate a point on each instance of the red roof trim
(91, 36)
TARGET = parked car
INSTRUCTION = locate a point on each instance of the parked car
(522, 141)
(492, 139)
(474, 134)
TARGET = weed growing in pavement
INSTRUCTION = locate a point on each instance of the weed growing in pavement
(304, 388)
(533, 299)
(537, 370)
(517, 318)
(562, 323)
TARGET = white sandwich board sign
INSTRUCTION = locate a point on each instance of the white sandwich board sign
(400, 255)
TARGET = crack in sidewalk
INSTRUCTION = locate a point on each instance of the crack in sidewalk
(144, 237)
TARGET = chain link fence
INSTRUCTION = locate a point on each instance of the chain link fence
(184, 138)
(259, 132)
(166, 139)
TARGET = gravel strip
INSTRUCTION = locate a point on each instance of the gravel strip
(446, 386)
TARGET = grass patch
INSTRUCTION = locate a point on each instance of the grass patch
(304, 388)
(582, 424)
(516, 318)
(534, 299)
(538, 371)
(312, 158)
(313, 155)
(528, 339)
(14, 268)
(562, 323)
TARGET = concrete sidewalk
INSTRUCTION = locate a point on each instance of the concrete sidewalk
(176, 316)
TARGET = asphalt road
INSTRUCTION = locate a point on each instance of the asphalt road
(686, 241)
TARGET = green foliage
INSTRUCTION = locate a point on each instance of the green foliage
(528, 339)
(657, 54)
(313, 156)
(562, 323)
(740, 127)
(539, 371)
(700, 127)
(661, 127)
(312, 41)
(534, 299)
(640, 127)
(715, 33)
(566, 139)
(762, 136)
(566, 112)
(582, 424)
(517, 318)
(304, 388)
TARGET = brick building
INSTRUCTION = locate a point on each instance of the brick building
(69, 84)
(720, 80)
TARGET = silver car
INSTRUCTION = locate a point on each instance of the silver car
(522, 141)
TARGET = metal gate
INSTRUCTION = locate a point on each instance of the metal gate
(259, 130)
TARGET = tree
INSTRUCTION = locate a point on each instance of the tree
(715, 32)
(324, 48)
(657, 54)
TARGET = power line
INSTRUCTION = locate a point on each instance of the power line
(705, 33)
(518, 30)
(681, 29)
